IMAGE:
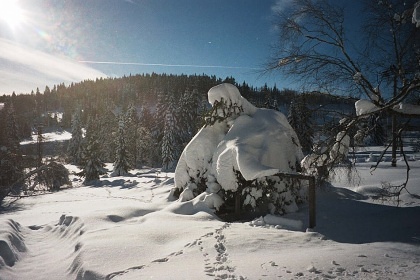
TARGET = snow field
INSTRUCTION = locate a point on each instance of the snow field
(132, 228)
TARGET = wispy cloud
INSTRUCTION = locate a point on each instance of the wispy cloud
(281, 5)
(24, 69)
(170, 65)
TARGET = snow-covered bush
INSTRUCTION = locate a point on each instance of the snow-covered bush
(239, 151)
(53, 175)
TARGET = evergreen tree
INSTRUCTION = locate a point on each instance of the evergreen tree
(93, 165)
(148, 149)
(75, 148)
(11, 168)
(299, 118)
(122, 159)
(169, 140)
(161, 108)
(132, 133)
(377, 132)
(188, 114)
(107, 129)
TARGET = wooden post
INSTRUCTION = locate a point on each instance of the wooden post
(311, 193)
(312, 202)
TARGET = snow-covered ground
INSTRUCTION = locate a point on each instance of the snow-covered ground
(48, 137)
(131, 228)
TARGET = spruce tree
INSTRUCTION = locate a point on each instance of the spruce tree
(11, 167)
(75, 148)
(107, 129)
(170, 133)
(93, 165)
(376, 129)
(188, 106)
(132, 133)
(122, 159)
(146, 145)
(299, 118)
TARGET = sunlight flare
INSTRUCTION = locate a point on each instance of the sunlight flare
(11, 13)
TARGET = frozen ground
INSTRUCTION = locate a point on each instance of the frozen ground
(131, 228)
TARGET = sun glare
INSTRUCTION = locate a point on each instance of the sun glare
(11, 13)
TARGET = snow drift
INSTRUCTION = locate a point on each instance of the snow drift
(255, 142)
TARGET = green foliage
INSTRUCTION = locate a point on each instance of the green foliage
(272, 194)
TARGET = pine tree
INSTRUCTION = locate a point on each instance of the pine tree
(75, 148)
(376, 129)
(92, 163)
(107, 129)
(11, 168)
(146, 145)
(169, 140)
(122, 159)
(299, 118)
(161, 108)
(188, 114)
(132, 133)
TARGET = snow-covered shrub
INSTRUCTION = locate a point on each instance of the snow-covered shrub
(54, 175)
(238, 151)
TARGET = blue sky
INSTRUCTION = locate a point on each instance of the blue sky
(53, 41)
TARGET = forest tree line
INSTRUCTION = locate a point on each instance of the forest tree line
(149, 118)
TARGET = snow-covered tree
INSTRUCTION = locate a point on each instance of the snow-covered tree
(146, 144)
(11, 169)
(107, 129)
(146, 152)
(132, 125)
(237, 154)
(170, 136)
(381, 63)
(376, 131)
(75, 148)
(188, 105)
(300, 119)
(92, 165)
(122, 158)
(160, 112)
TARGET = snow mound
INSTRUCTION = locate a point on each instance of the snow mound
(256, 142)
(11, 243)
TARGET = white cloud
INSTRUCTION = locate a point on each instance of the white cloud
(24, 69)
(281, 5)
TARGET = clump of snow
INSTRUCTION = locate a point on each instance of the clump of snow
(364, 107)
(256, 142)
(357, 77)
(409, 109)
(341, 146)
